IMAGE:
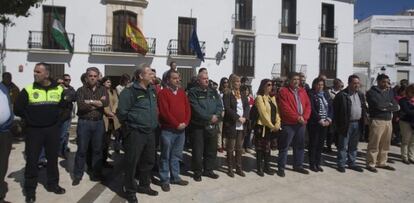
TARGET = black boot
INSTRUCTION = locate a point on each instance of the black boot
(267, 168)
(259, 162)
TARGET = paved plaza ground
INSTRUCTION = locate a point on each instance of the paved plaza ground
(329, 186)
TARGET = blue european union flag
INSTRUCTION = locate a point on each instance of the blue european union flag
(195, 45)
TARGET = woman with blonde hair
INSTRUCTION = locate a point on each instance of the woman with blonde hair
(236, 108)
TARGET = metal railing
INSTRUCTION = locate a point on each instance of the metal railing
(289, 29)
(243, 23)
(45, 40)
(330, 33)
(403, 58)
(107, 43)
(278, 71)
(182, 48)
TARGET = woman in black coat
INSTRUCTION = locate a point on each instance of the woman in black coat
(319, 122)
(236, 108)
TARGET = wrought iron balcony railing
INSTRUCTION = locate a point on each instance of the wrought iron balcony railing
(45, 40)
(107, 44)
(182, 48)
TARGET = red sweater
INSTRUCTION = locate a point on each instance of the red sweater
(173, 109)
(288, 107)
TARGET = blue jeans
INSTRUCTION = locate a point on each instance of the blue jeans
(172, 145)
(294, 134)
(87, 131)
(348, 145)
(64, 136)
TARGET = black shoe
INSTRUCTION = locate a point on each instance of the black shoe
(406, 161)
(107, 165)
(387, 167)
(76, 181)
(319, 168)
(356, 168)
(165, 187)
(132, 198)
(372, 169)
(391, 161)
(96, 178)
(341, 169)
(260, 172)
(269, 171)
(411, 161)
(313, 168)
(30, 199)
(180, 182)
(56, 189)
(197, 178)
(301, 170)
(240, 173)
(147, 190)
(230, 173)
(210, 174)
(281, 173)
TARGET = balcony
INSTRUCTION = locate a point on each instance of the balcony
(403, 58)
(289, 31)
(181, 49)
(108, 45)
(243, 26)
(43, 42)
(278, 72)
(328, 35)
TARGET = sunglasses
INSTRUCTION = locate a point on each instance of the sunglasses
(269, 84)
(67, 79)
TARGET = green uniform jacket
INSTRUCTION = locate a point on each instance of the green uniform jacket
(137, 108)
(204, 104)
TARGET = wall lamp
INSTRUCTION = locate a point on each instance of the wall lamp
(221, 55)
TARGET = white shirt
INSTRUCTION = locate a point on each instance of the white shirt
(240, 111)
(4, 108)
(119, 89)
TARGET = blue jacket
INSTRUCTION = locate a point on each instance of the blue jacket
(6, 126)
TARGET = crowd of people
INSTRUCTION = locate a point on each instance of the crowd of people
(144, 114)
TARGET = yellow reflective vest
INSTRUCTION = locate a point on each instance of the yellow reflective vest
(41, 96)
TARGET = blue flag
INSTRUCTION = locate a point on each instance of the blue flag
(195, 45)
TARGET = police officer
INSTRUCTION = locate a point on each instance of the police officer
(40, 105)
(137, 111)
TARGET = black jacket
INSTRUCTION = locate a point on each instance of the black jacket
(342, 111)
(230, 113)
(381, 104)
(44, 115)
(315, 105)
(407, 110)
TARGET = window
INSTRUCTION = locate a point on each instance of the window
(288, 59)
(328, 59)
(57, 70)
(48, 42)
(244, 17)
(185, 29)
(288, 16)
(328, 21)
(403, 52)
(403, 75)
(186, 74)
(244, 51)
(120, 20)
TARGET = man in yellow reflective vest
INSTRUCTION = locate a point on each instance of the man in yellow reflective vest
(40, 105)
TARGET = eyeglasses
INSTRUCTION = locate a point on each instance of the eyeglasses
(93, 76)
(67, 79)
(269, 84)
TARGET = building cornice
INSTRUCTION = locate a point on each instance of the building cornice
(137, 3)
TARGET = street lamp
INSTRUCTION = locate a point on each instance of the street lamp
(221, 55)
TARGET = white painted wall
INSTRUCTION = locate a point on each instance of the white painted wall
(160, 21)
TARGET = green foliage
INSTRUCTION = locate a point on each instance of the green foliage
(15, 8)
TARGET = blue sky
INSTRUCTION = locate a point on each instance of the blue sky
(366, 8)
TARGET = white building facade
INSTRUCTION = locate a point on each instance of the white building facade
(383, 44)
(266, 38)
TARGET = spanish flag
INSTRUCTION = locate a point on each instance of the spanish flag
(136, 38)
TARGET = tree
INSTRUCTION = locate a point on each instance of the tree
(9, 8)
(15, 8)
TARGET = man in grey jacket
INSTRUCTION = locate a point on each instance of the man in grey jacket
(381, 105)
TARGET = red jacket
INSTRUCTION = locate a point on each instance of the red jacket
(288, 107)
(173, 109)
